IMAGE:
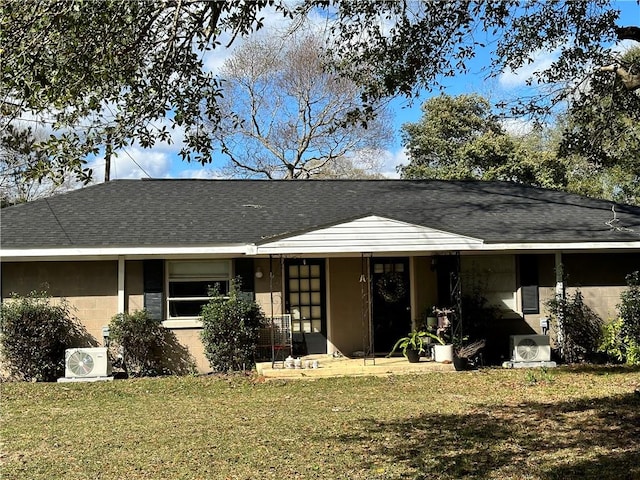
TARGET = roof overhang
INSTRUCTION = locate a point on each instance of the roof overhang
(132, 253)
(365, 235)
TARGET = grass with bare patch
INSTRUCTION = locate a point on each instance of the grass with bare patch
(566, 423)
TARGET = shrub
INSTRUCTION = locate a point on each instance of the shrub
(230, 329)
(579, 336)
(34, 335)
(141, 339)
(619, 345)
(621, 337)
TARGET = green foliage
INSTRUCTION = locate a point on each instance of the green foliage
(621, 337)
(114, 70)
(148, 348)
(630, 306)
(576, 328)
(414, 341)
(34, 333)
(619, 345)
(230, 329)
(532, 377)
(459, 138)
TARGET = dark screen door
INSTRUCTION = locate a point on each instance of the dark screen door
(391, 301)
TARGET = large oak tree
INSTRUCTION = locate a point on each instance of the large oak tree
(283, 115)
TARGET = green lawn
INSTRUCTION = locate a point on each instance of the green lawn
(565, 423)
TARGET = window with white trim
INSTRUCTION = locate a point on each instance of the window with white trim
(189, 283)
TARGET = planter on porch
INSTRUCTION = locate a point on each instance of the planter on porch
(443, 353)
(413, 355)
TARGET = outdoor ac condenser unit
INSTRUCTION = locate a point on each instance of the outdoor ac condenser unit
(530, 348)
(87, 362)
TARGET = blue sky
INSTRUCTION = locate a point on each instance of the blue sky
(163, 161)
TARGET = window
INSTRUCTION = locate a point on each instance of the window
(189, 285)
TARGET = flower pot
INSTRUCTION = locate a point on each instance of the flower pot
(443, 353)
(461, 364)
(413, 356)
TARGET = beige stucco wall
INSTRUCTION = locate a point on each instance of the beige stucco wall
(134, 286)
(345, 305)
(90, 287)
(425, 289)
(600, 279)
(262, 289)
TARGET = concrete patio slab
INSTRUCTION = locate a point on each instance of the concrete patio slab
(329, 366)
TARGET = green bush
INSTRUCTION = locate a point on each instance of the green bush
(230, 329)
(142, 340)
(579, 337)
(622, 336)
(618, 345)
(34, 333)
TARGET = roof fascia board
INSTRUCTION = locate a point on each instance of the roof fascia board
(112, 253)
(471, 248)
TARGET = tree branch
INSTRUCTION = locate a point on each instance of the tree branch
(630, 81)
(628, 33)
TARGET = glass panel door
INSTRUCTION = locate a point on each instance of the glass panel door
(305, 297)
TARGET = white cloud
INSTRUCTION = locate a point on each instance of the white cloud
(198, 173)
(517, 126)
(272, 21)
(133, 162)
(542, 60)
(391, 160)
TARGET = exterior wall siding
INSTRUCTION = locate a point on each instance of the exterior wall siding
(345, 310)
(134, 286)
(90, 287)
(600, 278)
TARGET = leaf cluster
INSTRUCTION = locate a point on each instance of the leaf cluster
(34, 334)
(148, 348)
(230, 329)
(414, 341)
(622, 336)
(577, 329)
(460, 138)
(108, 72)
(111, 72)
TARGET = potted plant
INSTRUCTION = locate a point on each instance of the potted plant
(466, 356)
(442, 350)
(412, 346)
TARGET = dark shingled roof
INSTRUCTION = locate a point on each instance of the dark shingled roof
(127, 213)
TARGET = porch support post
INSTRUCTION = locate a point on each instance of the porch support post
(560, 296)
(121, 284)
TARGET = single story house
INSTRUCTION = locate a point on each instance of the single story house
(356, 263)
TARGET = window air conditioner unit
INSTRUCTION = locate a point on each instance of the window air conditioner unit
(87, 362)
(530, 348)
